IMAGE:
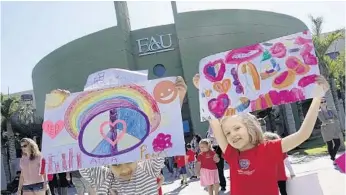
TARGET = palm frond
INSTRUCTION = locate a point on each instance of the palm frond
(316, 25)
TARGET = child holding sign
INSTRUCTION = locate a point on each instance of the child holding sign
(130, 178)
(250, 157)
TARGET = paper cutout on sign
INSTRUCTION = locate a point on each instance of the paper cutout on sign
(275, 72)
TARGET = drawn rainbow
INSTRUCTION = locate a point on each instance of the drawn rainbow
(91, 103)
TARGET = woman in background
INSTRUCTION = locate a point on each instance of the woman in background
(33, 181)
(329, 128)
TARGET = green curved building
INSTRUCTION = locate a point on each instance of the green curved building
(168, 50)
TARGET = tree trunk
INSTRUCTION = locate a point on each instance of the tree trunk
(11, 147)
(291, 124)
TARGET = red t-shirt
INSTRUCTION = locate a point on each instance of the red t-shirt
(180, 160)
(254, 172)
(281, 169)
(207, 160)
(191, 155)
(160, 189)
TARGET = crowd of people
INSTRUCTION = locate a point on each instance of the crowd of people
(238, 140)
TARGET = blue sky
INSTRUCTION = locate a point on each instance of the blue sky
(31, 30)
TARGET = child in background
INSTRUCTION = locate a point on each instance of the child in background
(191, 161)
(282, 178)
(160, 181)
(181, 164)
(206, 167)
(253, 162)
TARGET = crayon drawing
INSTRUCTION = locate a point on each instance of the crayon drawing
(112, 125)
(258, 76)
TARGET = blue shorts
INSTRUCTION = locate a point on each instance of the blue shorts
(182, 170)
(33, 187)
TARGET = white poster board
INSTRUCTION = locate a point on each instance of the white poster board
(78, 131)
(304, 185)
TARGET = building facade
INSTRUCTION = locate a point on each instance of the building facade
(168, 50)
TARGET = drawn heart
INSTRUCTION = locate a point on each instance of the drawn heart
(218, 106)
(222, 87)
(52, 129)
(278, 50)
(214, 71)
(119, 137)
(309, 59)
(207, 93)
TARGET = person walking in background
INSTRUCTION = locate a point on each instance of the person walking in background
(195, 143)
(282, 177)
(33, 180)
(329, 128)
(221, 164)
(181, 165)
(191, 161)
(206, 167)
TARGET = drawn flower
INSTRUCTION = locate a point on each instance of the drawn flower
(162, 142)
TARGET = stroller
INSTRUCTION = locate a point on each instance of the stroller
(12, 187)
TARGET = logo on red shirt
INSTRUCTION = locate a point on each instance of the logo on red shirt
(244, 163)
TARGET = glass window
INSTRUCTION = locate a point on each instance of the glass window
(159, 70)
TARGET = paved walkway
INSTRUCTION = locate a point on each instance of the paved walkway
(331, 180)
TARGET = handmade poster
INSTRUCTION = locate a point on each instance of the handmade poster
(112, 125)
(114, 77)
(303, 185)
(258, 76)
(341, 163)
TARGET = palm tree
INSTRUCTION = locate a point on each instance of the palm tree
(322, 43)
(9, 106)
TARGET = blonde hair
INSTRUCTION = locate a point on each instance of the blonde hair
(34, 151)
(251, 123)
(271, 136)
(207, 142)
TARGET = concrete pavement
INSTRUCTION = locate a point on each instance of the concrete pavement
(331, 180)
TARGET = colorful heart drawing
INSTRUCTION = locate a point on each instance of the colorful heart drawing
(218, 106)
(222, 87)
(119, 137)
(52, 129)
(214, 71)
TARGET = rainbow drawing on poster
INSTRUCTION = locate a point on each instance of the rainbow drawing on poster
(112, 125)
(258, 76)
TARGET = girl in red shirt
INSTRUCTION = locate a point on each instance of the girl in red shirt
(191, 161)
(181, 164)
(206, 167)
(253, 161)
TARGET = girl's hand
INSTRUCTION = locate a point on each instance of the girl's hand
(216, 158)
(181, 86)
(195, 80)
(323, 86)
(62, 91)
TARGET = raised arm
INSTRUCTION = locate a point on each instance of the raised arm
(218, 134)
(290, 142)
(153, 166)
(214, 123)
(182, 88)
